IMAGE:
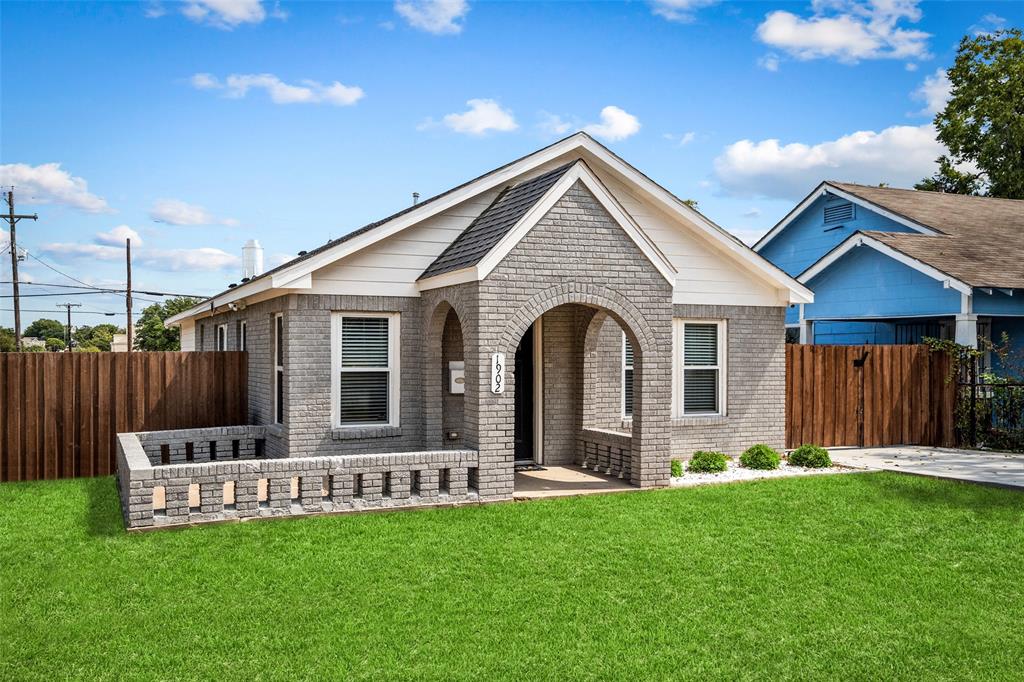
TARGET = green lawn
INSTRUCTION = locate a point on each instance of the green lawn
(853, 576)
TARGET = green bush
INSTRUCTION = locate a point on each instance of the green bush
(707, 462)
(760, 457)
(810, 456)
(677, 468)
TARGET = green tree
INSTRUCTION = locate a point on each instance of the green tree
(6, 340)
(100, 337)
(983, 122)
(55, 344)
(150, 332)
(45, 329)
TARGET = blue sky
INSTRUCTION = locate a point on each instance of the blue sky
(197, 125)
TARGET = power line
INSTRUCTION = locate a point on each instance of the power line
(80, 312)
(62, 274)
(120, 291)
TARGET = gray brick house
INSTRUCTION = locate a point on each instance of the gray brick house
(562, 309)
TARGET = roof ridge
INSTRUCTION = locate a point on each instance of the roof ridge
(922, 192)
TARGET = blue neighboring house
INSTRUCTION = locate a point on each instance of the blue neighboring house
(894, 265)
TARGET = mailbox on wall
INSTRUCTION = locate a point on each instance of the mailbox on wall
(457, 376)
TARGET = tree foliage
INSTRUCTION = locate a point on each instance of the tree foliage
(983, 123)
(150, 333)
(6, 340)
(45, 329)
(55, 344)
(95, 338)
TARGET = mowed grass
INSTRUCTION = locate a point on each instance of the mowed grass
(857, 576)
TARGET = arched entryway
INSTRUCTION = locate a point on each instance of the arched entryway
(445, 388)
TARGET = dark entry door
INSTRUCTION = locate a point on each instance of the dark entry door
(524, 398)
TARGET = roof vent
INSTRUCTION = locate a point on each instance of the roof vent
(415, 198)
(838, 213)
(232, 285)
(252, 259)
(302, 253)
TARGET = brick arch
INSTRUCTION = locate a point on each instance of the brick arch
(433, 370)
(607, 300)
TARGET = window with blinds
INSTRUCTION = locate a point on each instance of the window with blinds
(701, 379)
(365, 369)
(627, 377)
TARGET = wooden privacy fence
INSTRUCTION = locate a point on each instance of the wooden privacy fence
(59, 412)
(868, 396)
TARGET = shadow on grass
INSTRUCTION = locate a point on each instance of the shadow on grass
(103, 515)
(952, 494)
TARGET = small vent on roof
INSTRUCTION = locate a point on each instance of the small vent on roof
(838, 213)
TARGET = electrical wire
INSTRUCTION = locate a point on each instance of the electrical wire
(119, 291)
(62, 274)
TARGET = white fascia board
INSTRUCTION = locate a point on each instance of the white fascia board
(827, 188)
(447, 279)
(229, 296)
(579, 172)
(739, 251)
(858, 239)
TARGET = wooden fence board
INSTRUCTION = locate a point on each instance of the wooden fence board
(60, 413)
(898, 397)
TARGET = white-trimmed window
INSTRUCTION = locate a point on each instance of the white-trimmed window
(627, 377)
(699, 381)
(365, 373)
(279, 368)
(241, 334)
(222, 337)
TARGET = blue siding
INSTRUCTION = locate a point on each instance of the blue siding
(998, 303)
(867, 284)
(793, 314)
(854, 333)
(1014, 328)
(805, 240)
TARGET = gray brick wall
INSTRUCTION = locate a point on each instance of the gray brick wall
(602, 375)
(451, 403)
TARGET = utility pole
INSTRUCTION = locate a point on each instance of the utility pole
(67, 334)
(128, 292)
(12, 220)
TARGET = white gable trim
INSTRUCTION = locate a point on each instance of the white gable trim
(503, 176)
(858, 239)
(827, 188)
(581, 173)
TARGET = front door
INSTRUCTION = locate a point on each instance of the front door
(524, 398)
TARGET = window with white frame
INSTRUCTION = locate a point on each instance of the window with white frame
(241, 334)
(279, 368)
(627, 377)
(699, 380)
(365, 377)
(222, 337)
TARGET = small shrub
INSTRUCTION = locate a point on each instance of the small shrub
(810, 456)
(707, 462)
(760, 457)
(677, 468)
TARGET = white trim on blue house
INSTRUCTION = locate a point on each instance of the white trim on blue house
(828, 188)
(860, 239)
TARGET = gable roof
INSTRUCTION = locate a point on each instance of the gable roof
(495, 222)
(976, 240)
(296, 273)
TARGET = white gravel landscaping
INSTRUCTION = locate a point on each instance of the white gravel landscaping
(737, 473)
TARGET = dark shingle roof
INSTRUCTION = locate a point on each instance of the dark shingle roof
(483, 234)
(982, 240)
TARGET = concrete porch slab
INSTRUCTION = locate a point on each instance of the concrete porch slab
(976, 466)
(561, 481)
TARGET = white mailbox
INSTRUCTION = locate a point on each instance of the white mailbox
(457, 376)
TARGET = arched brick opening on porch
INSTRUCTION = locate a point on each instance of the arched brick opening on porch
(650, 430)
(444, 412)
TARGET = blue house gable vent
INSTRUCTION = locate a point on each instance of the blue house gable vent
(838, 213)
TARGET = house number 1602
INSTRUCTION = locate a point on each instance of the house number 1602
(498, 373)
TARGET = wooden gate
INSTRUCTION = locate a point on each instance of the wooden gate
(59, 412)
(868, 396)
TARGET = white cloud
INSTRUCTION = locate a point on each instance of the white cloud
(48, 183)
(900, 156)
(683, 11)
(66, 250)
(238, 85)
(934, 92)
(439, 17)
(681, 140)
(175, 212)
(154, 9)
(118, 235)
(752, 213)
(205, 259)
(224, 14)
(769, 62)
(483, 116)
(553, 124)
(990, 23)
(848, 30)
(615, 124)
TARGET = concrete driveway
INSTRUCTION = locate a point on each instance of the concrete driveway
(989, 468)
